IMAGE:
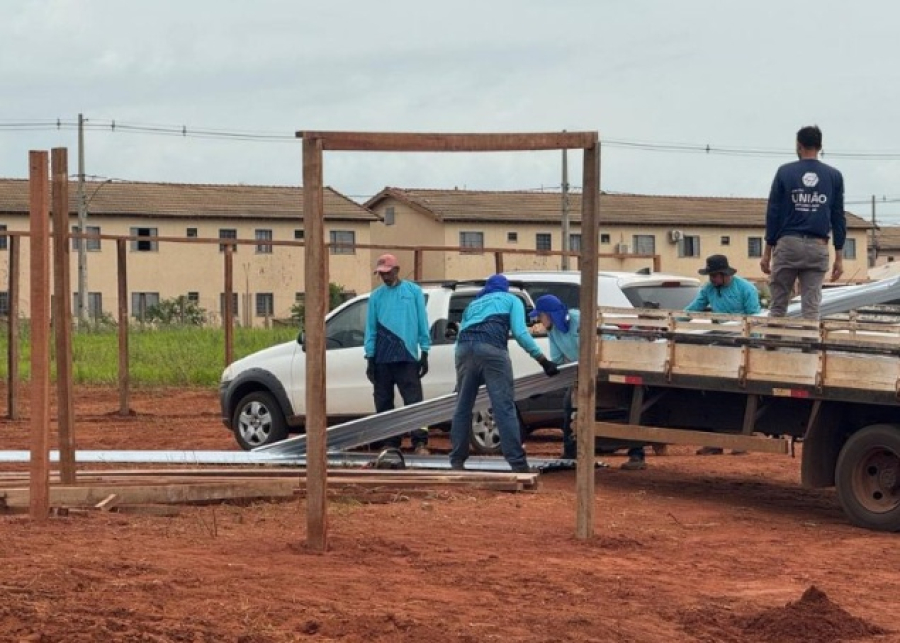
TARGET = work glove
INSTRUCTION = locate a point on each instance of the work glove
(370, 369)
(423, 365)
(550, 369)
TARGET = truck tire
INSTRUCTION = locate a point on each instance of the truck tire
(258, 421)
(867, 477)
(485, 436)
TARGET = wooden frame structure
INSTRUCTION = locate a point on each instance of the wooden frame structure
(317, 142)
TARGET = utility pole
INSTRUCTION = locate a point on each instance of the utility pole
(873, 247)
(565, 209)
(82, 228)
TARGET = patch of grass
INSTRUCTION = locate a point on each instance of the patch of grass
(185, 356)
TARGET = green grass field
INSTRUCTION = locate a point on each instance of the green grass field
(189, 356)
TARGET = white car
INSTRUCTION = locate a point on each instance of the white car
(263, 395)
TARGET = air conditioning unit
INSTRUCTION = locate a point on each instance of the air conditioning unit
(623, 248)
(675, 236)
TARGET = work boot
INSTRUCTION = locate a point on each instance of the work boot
(421, 449)
(520, 468)
(634, 465)
(710, 451)
(457, 466)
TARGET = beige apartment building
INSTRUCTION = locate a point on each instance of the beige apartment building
(267, 278)
(681, 231)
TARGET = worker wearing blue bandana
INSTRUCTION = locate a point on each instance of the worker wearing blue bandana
(396, 332)
(562, 331)
(482, 357)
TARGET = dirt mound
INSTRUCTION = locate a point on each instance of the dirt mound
(814, 617)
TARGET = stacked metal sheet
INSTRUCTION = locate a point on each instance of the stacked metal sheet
(381, 426)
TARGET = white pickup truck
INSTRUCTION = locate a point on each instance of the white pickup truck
(263, 395)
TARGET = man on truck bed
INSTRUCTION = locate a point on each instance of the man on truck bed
(482, 357)
(724, 293)
(806, 204)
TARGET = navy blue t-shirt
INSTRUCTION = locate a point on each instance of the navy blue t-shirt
(807, 198)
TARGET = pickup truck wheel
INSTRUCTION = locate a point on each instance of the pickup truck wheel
(258, 421)
(867, 477)
(485, 436)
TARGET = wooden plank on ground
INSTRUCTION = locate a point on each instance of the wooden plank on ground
(684, 436)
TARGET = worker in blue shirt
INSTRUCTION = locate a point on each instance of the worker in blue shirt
(806, 206)
(724, 293)
(396, 344)
(482, 357)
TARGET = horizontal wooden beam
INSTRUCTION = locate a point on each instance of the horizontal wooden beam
(684, 436)
(407, 142)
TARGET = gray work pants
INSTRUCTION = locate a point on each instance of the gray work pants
(803, 259)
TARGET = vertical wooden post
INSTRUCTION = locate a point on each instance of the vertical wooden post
(587, 353)
(314, 325)
(417, 264)
(498, 262)
(228, 308)
(657, 263)
(62, 313)
(122, 284)
(12, 350)
(39, 504)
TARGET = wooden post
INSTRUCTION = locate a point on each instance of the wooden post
(228, 308)
(12, 350)
(122, 283)
(314, 325)
(62, 314)
(39, 504)
(498, 262)
(587, 353)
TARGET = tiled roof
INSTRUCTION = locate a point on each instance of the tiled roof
(888, 238)
(621, 209)
(189, 200)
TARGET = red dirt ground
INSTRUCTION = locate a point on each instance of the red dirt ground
(707, 549)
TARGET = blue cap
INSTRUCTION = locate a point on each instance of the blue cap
(552, 306)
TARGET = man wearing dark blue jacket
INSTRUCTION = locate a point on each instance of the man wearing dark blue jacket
(396, 332)
(482, 357)
(806, 206)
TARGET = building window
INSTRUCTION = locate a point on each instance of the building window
(93, 242)
(4, 304)
(192, 233)
(234, 304)
(644, 244)
(299, 235)
(227, 233)
(689, 246)
(543, 241)
(575, 242)
(343, 242)
(193, 297)
(144, 245)
(3, 237)
(725, 241)
(471, 242)
(299, 297)
(264, 248)
(94, 304)
(604, 238)
(512, 237)
(141, 302)
(754, 247)
(849, 248)
(389, 215)
(265, 304)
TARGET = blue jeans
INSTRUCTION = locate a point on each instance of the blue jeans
(477, 364)
(405, 376)
(567, 433)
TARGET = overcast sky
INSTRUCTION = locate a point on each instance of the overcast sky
(739, 76)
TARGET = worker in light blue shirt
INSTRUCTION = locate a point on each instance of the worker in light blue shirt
(725, 292)
(396, 344)
(482, 357)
